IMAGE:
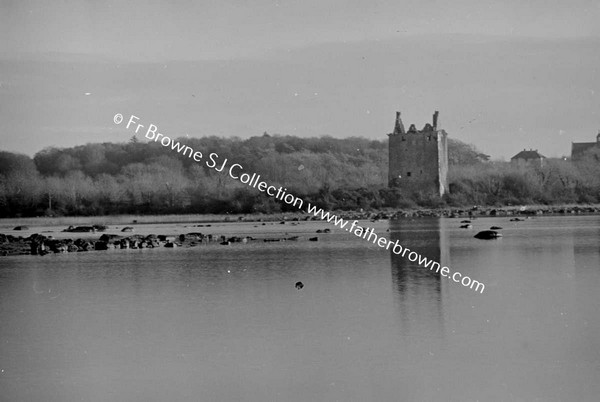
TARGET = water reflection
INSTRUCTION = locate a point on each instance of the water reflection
(418, 291)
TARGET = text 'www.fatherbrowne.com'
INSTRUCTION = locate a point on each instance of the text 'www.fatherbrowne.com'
(236, 172)
(370, 235)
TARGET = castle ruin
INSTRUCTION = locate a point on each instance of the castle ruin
(418, 159)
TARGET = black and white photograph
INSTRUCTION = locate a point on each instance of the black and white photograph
(303, 201)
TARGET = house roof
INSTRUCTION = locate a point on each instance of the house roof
(531, 154)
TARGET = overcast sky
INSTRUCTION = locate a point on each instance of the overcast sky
(505, 75)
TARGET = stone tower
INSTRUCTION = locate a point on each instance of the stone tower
(418, 159)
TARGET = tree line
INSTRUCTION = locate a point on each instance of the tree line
(351, 173)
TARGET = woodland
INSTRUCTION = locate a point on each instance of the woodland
(336, 174)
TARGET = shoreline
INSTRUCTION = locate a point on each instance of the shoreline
(388, 213)
(23, 236)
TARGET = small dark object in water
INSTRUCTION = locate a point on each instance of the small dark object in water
(487, 234)
(80, 229)
(109, 237)
(127, 229)
(313, 239)
(299, 285)
(466, 221)
(495, 228)
(467, 226)
(21, 228)
(516, 220)
(101, 245)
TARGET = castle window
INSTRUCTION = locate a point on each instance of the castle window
(408, 174)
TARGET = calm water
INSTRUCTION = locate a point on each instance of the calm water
(227, 324)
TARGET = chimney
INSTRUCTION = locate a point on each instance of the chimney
(435, 120)
(399, 127)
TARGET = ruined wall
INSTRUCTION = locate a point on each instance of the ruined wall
(418, 159)
(443, 161)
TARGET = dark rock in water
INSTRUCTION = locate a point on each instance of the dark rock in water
(313, 239)
(127, 229)
(466, 221)
(37, 245)
(487, 234)
(517, 220)
(101, 245)
(21, 228)
(194, 236)
(152, 243)
(84, 245)
(327, 231)
(223, 243)
(80, 229)
(467, 226)
(57, 246)
(299, 285)
(100, 228)
(187, 237)
(495, 228)
(109, 237)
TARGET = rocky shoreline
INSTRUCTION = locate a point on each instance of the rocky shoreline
(39, 244)
(475, 212)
